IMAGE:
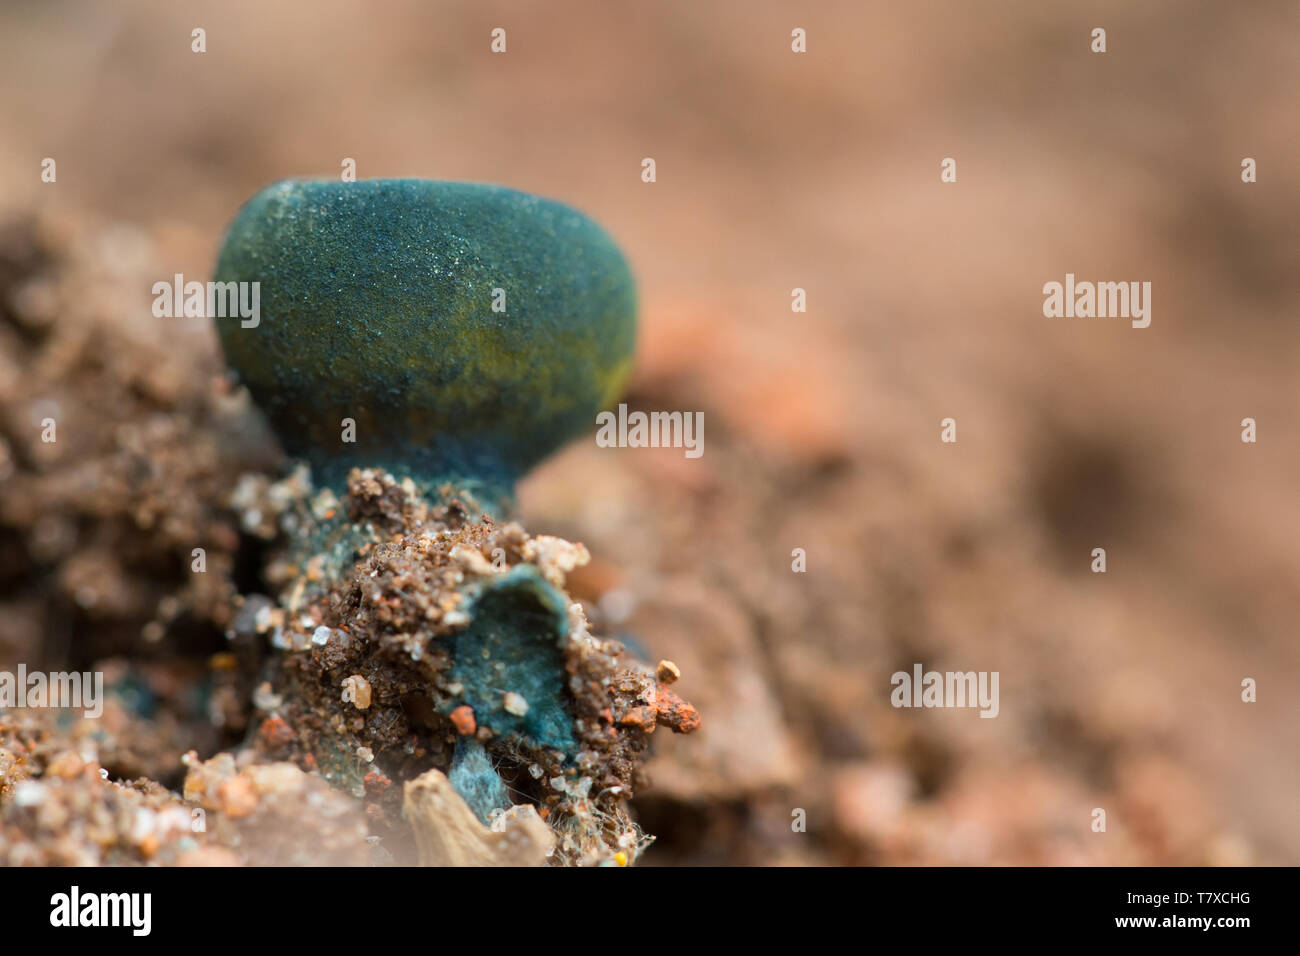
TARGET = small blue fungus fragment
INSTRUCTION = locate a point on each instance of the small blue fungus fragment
(476, 780)
(510, 660)
(138, 697)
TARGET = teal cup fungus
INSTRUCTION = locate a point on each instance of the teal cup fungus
(454, 334)
(450, 332)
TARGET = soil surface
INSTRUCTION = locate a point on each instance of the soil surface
(775, 171)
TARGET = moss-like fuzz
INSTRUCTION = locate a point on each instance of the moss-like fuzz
(376, 305)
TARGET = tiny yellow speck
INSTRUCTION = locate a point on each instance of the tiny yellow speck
(620, 858)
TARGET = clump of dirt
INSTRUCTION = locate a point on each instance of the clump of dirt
(117, 452)
(59, 807)
(370, 690)
(118, 550)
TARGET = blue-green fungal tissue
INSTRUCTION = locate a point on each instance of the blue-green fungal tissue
(445, 331)
(518, 625)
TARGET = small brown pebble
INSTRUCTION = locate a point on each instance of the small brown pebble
(223, 661)
(675, 712)
(237, 796)
(65, 766)
(642, 718)
(463, 718)
(276, 732)
(356, 689)
(668, 672)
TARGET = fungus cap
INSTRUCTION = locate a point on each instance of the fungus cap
(377, 305)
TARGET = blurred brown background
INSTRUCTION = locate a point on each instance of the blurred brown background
(821, 171)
